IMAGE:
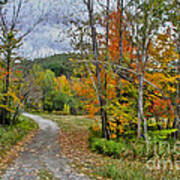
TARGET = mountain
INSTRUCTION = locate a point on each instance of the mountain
(58, 63)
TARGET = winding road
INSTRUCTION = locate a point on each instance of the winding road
(42, 153)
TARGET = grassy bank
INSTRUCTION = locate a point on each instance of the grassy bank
(74, 143)
(13, 138)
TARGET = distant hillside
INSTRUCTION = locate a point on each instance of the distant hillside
(59, 64)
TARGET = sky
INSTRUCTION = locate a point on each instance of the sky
(51, 35)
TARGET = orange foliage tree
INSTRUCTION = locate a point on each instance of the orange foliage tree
(144, 71)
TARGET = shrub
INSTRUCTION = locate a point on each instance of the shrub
(126, 148)
(108, 148)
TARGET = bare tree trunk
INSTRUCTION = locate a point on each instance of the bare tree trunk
(140, 107)
(141, 90)
(105, 79)
(139, 95)
(177, 110)
(140, 103)
(90, 7)
(7, 84)
(120, 8)
(2, 117)
(141, 62)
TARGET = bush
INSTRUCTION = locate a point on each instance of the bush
(115, 149)
(108, 148)
(128, 148)
(123, 149)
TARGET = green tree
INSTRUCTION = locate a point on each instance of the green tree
(47, 85)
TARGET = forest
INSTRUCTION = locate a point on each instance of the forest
(119, 88)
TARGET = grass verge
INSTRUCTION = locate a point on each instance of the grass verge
(13, 138)
(74, 145)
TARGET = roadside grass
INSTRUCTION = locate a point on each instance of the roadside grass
(74, 145)
(13, 138)
(70, 123)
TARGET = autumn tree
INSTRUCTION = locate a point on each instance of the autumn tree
(174, 17)
(129, 72)
(11, 41)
